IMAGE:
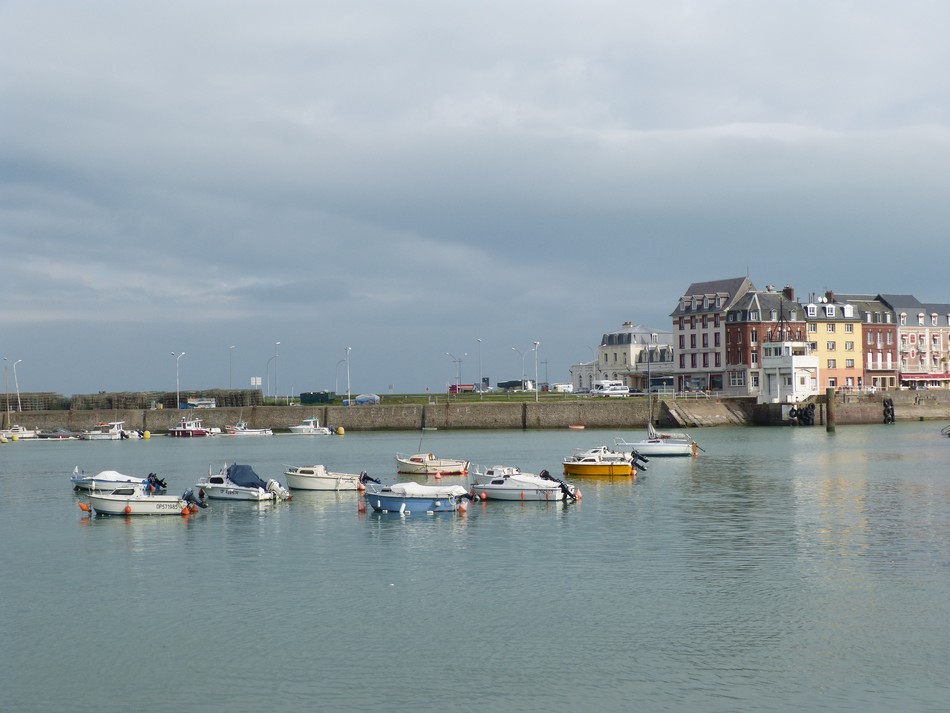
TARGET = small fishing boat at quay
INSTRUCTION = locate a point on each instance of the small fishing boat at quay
(310, 427)
(242, 429)
(110, 431)
(189, 428)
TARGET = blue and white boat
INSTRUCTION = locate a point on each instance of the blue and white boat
(412, 497)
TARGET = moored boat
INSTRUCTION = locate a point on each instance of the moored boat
(17, 432)
(317, 477)
(413, 497)
(242, 429)
(661, 444)
(189, 428)
(505, 482)
(109, 431)
(239, 482)
(599, 461)
(133, 499)
(107, 480)
(428, 464)
(310, 427)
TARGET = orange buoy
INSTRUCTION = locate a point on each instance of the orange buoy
(484, 495)
(185, 512)
(522, 495)
(361, 487)
(128, 509)
(84, 507)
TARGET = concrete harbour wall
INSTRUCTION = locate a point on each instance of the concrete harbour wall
(591, 413)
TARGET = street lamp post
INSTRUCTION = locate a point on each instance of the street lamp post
(267, 369)
(16, 382)
(481, 388)
(336, 388)
(536, 345)
(230, 353)
(348, 349)
(6, 381)
(177, 380)
(276, 375)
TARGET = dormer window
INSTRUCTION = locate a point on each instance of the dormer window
(829, 310)
(773, 315)
(705, 303)
(920, 319)
(812, 310)
(848, 311)
(933, 320)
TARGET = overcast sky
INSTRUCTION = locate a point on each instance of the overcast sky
(407, 178)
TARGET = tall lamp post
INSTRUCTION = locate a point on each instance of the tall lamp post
(230, 353)
(480, 384)
(523, 355)
(536, 385)
(177, 380)
(348, 349)
(336, 389)
(6, 380)
(276, 375)
(17, 384)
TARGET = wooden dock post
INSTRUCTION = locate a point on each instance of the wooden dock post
(830, 413)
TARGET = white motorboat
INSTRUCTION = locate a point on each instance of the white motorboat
(239, 482)
(428, 464)
(311, 427)
(242, 429)
(110, 431)
(17, 432)
(317, 477)
(107, 480)
(134, 499)
(660, 444)
(505, 482)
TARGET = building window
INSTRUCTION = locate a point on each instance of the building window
(705, 360)
(716, 339)
(718, 359)
(849, 363)
(755, 380)
(849, 346)
(849, 328)
(682, 341)
(903, 319)
(755, 335)
(830, 327)
(812, 327)
(736, 378)
(705, 340)
(692, 360)
(870, 339)
(755, 358)
(832, 364)
(811, 310)
(692, 341)
(831, 346)
(716, 320)
(705, 321)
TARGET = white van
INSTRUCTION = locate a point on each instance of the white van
(609, 388)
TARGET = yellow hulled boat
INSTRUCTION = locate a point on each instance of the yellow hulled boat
(599, 461)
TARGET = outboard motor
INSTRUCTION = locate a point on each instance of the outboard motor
(364, 478)
(155, 483)
(189, 497)
(279, 490)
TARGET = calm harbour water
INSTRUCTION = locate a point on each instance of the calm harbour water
(784, 569)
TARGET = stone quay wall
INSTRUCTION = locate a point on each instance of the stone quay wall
(631, 413)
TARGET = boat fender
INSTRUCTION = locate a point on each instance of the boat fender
(792, 412)
(128, 509)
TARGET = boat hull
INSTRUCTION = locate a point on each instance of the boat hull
(427, 464)
(311, 479)
(600, 469)
(105, 504)
(235, 492)
(495, 492)
(403, 504)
